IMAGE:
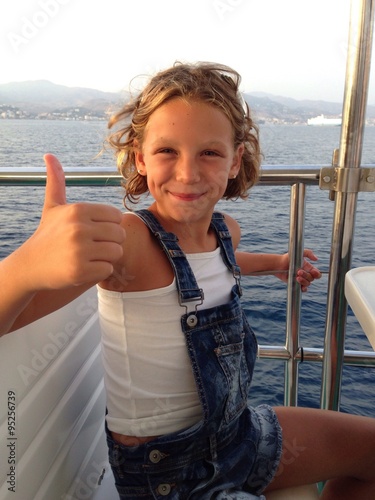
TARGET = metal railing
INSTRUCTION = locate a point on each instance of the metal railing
(345, 193)
(293, 352)
(344, 180)
(299, 178)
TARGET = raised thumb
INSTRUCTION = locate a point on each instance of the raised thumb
(55, 188)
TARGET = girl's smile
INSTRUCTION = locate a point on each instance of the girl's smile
(186, 196)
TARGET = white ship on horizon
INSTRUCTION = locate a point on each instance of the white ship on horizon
(322, 120)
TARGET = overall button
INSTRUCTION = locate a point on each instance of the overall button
(164, 489)
(155, 456)
(192, 320)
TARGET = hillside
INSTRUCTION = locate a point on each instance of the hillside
(47, 100)
(43, 98)
(279, 109)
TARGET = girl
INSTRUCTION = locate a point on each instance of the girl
(177, 349)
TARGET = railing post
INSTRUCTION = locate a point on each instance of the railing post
(293, 312)
(355, 99)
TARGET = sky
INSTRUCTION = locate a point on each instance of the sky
(294, 48)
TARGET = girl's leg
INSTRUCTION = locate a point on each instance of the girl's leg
(320, 445)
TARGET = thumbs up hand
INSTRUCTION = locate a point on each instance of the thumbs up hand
(75, 244)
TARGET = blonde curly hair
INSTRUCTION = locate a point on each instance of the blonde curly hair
(214, 84)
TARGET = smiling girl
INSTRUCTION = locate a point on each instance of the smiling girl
(178, 351)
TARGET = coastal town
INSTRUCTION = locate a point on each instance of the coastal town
(44, 100)
(11, 112)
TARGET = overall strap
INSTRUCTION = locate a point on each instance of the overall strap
(225, 241)
(187, 286)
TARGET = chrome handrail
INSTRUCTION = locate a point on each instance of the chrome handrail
(80, 176)
(349, 157)
(298, 178)
(105, 176)
(293, 310)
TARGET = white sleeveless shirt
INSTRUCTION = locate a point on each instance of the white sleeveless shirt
(148, 376)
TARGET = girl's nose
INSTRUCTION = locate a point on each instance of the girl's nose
(187, 170)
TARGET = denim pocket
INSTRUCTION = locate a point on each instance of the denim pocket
(116, 461)
(129, 486)
(233, 362)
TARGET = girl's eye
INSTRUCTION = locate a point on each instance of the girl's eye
(166, 150)
(210, 153)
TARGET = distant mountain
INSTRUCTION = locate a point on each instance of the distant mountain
(39, 98)
(268, 106)
(43, 96)
(331, 107)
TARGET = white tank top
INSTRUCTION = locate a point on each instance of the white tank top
(148, 376)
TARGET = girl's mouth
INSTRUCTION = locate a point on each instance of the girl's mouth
(187, 196)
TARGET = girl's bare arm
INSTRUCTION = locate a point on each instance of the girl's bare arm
(74, 247)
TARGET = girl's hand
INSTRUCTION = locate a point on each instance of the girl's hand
(74, 244)
(306, 274)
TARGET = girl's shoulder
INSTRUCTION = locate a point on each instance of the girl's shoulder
(143, 265)
(234, 229)
(133, 223)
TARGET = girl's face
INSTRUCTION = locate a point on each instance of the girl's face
(188, 156)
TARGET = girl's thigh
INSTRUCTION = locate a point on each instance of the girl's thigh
(319, 445)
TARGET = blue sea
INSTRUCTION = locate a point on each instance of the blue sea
(264, 219)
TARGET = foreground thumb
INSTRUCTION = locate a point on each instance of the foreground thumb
(55, 187)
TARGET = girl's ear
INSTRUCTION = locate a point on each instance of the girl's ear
(237, 159)
(139, 159)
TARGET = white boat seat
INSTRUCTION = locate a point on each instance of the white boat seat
(360, 294)
(309, 492)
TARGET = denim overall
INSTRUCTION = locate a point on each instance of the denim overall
(234, 451)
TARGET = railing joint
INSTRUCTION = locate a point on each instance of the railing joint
(347, 179)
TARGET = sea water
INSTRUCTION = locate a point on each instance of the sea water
(264, 219)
